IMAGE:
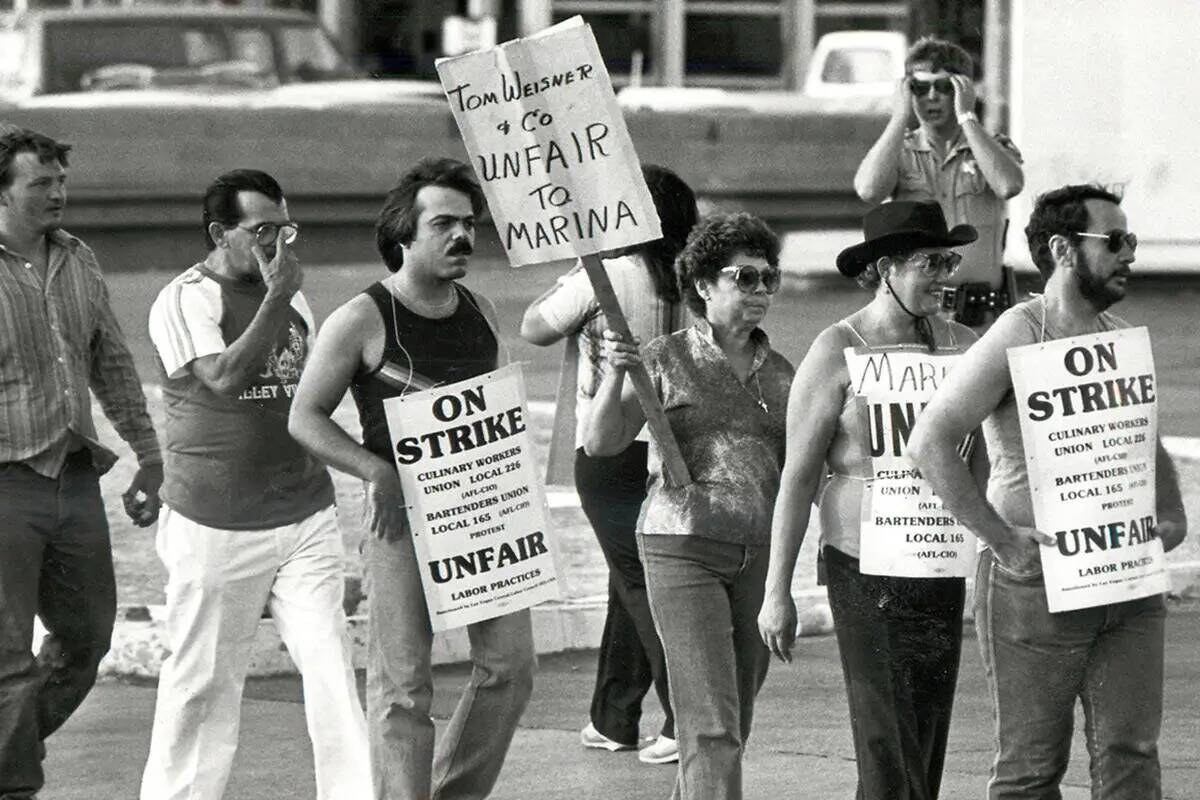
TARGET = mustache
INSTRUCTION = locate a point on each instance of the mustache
(460, 247)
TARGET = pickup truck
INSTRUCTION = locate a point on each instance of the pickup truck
(852, 71)
(209, 49)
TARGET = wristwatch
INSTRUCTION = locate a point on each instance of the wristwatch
(966, 117)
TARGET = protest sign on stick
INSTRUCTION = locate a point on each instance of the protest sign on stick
(548, 141)
(904, 529)
(1089, 422)
(476, 509)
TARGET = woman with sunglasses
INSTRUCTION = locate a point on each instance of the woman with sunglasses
(611, 488)
(704, 545)
(899, 637)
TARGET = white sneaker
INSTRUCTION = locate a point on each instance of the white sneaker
(662, 751)
(590, 737)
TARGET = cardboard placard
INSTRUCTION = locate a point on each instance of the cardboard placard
(476, 508)
(1089, 422)
(904, 529)
(549, 144)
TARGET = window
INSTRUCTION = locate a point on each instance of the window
(308, 55)
(859, 65)
(12, 51)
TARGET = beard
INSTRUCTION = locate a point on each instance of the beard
(1096, 290)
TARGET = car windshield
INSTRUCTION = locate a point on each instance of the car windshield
(308, 55)
(88, 56)
(858, 65)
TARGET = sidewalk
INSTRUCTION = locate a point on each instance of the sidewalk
(801, 744)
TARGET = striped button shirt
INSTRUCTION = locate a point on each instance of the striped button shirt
(58, 336)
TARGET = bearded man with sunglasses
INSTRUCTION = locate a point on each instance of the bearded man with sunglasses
(1038, 663)
(248, 516)
(949, 158)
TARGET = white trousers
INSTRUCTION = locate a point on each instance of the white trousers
(218, 583)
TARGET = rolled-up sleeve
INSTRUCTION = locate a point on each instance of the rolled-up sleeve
(570, 304)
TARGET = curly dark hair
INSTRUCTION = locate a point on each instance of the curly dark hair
(1061, 212)
(397, 221)
(711, 246)
(15, 140)
(677, 214)
(941, 55)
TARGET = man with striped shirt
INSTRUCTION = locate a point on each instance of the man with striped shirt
(248, 515)
(58, 338)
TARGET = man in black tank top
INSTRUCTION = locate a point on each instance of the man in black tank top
(416, 329)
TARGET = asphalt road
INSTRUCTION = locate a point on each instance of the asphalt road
(800, 746)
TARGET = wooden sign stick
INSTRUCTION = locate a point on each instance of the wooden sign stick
(672, 459)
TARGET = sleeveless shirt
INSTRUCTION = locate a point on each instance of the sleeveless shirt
(419, 353)
(849, 461)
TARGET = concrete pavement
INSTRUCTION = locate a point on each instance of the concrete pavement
(800, 747)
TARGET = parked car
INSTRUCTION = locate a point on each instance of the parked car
(206, 48)
(850, 71)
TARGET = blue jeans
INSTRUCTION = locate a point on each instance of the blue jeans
(400, 689)
(55, 562)
(900, 640)
(1037, 663)
(705, 596)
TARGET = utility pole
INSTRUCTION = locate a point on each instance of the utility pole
(997, 55)
(340, 18)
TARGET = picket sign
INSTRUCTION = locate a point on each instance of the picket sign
(1089, 422)
(476, 509)
(549, 144)
(904, 529)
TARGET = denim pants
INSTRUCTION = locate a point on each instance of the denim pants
(1038, 663)
(705, 596)
(400, 689)
(56, 563)
(611, 490)
(218, 582)
(900, 641)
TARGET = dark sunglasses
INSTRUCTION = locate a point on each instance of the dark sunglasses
(921, 88)
(935, 264)
(1114, 240)
(266, 233)
(748, 278)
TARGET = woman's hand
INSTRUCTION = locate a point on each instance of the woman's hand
(777, 624)
(619, 352)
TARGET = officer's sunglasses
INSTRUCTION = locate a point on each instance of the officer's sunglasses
(747, 278)
(921, 88)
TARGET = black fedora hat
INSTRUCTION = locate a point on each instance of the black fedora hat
(900, 226)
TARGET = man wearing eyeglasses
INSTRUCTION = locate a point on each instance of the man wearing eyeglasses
(1038, 663)
(248, 516)
(950, 159)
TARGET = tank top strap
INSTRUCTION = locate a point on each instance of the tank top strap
(845, 325)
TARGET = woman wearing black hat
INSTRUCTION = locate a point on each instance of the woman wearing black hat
(899, 637)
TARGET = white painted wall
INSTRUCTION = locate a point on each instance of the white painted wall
(1109, 90)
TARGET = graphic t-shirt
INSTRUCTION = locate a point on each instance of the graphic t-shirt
(229, 462)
